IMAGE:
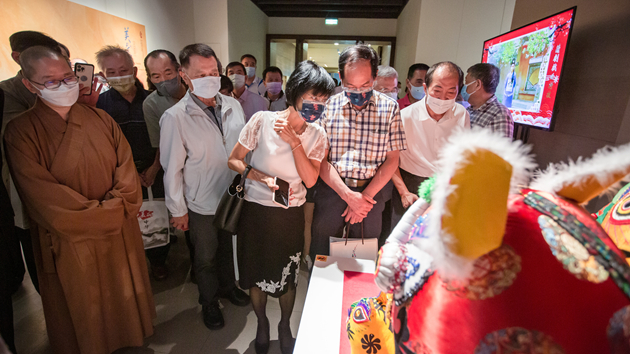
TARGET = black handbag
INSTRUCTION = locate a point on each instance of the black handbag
(229, 209)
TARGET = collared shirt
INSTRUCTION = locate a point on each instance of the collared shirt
(214, 113)
(194, 154)
(360, 140)
(427, 136)
(493, 115)
(130, 117)
(257, 86)
(252, 103)
(153, 107)
(279, 104)
(404, 102)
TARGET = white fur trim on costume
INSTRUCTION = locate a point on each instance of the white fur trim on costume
(450, 160)
(605, 162)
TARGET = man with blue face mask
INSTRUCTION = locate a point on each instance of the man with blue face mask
(485, 109)
(428, 124)
(365, 137)
(196, 138)
(415, 85)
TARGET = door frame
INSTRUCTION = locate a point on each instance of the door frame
(300, 38)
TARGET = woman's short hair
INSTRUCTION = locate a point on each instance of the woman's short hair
(226, 84)
(308, 76)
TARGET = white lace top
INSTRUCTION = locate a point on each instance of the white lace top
(273, 156)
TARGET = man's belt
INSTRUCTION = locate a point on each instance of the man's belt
(351, 182)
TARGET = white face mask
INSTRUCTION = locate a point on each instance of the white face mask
(251, 71)
(206, 87)
(122, 84)
(274, 88)
(238, 80)
(393, 95)
(439, 106)
(63, 96)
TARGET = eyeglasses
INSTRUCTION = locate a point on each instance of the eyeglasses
(383, 90)
(69, 81)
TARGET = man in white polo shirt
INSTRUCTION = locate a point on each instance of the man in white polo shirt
(428, 123)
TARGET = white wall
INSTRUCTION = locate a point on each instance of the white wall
(247, 32)
(169, 24)
(407, 38)
(451, 30)
(211, 26)
(346, 26)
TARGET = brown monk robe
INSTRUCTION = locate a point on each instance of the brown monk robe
(81, 189)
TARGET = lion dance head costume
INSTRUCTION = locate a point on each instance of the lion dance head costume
(486, 264)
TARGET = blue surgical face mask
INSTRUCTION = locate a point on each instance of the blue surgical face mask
(358, 98)
(417, 92)
(311, 110)
(465, 94)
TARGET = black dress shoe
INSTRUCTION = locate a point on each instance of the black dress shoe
(238, 297)
(212, 316)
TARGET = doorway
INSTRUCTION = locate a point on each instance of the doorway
(286, 51)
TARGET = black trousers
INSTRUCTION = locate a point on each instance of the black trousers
(327, 219)
(412, 182)
(214, 258)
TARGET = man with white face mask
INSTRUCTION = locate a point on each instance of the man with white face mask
(124, 102)
(386, 81)
(75, 173)
(415, 85)
(252, 82)
(196, 138)
(250, 102)
(428, 124)
(273, 82)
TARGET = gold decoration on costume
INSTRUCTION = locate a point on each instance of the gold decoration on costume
(570, 252)
(492, 274)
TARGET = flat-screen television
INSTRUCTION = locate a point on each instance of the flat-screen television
(530, 59)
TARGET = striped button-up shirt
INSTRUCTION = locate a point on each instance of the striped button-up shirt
(360, 140)
(493, 115)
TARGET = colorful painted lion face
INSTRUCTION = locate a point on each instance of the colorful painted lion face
(369, 328)
(491, 266)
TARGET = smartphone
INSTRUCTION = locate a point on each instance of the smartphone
(281, 195)
(85, 73)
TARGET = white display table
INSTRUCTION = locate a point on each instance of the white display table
(320, 325)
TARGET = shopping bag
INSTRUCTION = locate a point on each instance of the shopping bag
(354, 247)
(154, 223)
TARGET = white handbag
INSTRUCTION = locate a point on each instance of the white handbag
(154, 222)
(354, 247)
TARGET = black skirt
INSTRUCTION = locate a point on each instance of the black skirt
(270, 242)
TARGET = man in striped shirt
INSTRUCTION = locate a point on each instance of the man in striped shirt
(365, 136)
(485, 109)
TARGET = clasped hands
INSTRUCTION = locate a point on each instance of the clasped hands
(359, 205)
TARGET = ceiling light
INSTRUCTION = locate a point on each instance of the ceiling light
(331, 21)
(336, 43)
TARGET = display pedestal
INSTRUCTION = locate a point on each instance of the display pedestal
(321, 323)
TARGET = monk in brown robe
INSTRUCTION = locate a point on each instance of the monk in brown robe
(75, 173)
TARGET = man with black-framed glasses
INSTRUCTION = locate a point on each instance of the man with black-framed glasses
(365, 137)
(74, 171)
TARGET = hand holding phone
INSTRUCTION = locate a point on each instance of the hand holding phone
(85, 74)
(281, 195)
